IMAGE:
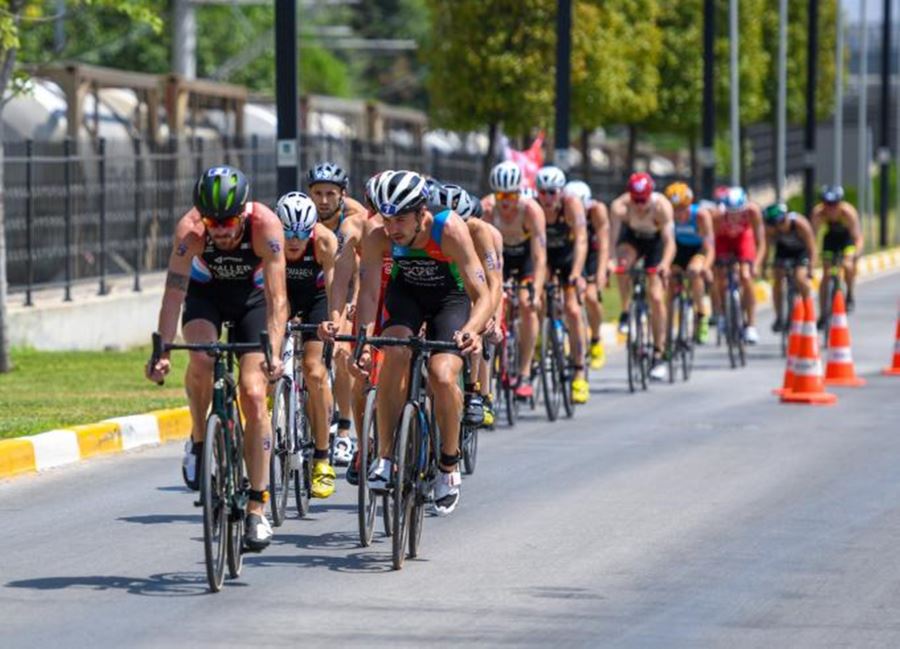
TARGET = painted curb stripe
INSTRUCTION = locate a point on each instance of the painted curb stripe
(137, 430)
(98, 439)
(16, 456)
(55, 448)
(174, 423)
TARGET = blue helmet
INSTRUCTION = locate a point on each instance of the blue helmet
(735, 200)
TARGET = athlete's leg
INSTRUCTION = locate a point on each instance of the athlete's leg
(656, 300)
(778, 292)
(748, 299)
(257, 424)
(198, 377)
(528, 330)
(389, 402)
(320, 402)
(343, 389)
(443, 380)
(575, 322)
(627, 255)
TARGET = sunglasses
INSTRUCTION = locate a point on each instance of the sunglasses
(295, 234)
(213, 224)
(507, 196)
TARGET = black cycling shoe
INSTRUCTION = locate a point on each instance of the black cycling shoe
(474, 410)
(778, 326)
(623, 323)
(353, 469)
(851, 303)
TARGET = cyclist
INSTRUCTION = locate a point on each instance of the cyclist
(227, 264)
(595, 267)
(642, 224)
(521, 223)
(489, 247)
(795, 243)
(436, 279)
(843, 237)
(309, 250)
(567, 243)
(327, 184)
(740, 237)
(695, 251)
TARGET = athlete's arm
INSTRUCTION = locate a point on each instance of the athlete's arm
(326, 250)
(268, 244)
(666, 221)
(487, 208)
(705, 230)
(574, 210)
(759, 233)
(815, 219)
(853, 226)
(618, 212)
(537, 226)
(599, 215)
(804, 229)
(374, 245)
(187, 244)
(483, 240)
(458, 246)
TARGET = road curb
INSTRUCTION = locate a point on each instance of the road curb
(65, 446)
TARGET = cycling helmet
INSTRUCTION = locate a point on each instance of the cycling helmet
(580, 190)
(832, 194)
(775, 213)
(400, 191)
(550, 178)
(327, 172)
(679, 194)
(735, 200)
(719, 194)
(297, 213)
(506, 177)
(455, 198)
(640, 187)
(221, 193)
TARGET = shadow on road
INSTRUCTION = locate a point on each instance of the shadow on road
(357, 562)
(163, 519)
(176, 584)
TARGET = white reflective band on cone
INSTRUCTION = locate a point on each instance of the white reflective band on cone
(839, 320)
(808, 329)
(807, 367)
(840, 355)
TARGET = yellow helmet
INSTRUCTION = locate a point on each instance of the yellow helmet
(679, 194)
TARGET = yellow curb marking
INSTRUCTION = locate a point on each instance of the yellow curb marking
(16, 456)
(98, 439)
(174, 423)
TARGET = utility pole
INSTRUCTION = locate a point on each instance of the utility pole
(286, 93)
(862, 118)
(780, 165)
(707, 150)
(563, 81)
(839, 99)
(184, 39)
(735, 108)
(812, 68)
(884, 150)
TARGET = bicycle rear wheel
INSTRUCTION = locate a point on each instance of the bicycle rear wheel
(213, 495)
(633, 351)
(367, 451)
(403, 492)
(303, 474)
(280, 459)
(645, 344)
(565, 382)
(686, 336)
(238, 502)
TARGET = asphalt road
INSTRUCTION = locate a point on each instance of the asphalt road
(696, 515)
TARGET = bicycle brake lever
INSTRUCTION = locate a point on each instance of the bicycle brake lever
(266, 345)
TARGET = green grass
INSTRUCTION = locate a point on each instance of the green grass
(47, 390)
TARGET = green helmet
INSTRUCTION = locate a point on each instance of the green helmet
(221, 192)
(775, 213)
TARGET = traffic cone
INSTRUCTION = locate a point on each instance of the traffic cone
(894, 369)
(808, 386)
(839, 370)
(793, 347)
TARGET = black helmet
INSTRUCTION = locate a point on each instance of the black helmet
(832, 194)
(327, 172)
(221, 192)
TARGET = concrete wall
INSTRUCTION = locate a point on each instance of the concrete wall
(123, 318)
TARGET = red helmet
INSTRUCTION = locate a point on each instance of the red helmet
(640, 187)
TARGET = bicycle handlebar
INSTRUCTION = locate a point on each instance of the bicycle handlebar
(212, 349)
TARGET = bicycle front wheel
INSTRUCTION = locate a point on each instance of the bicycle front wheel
(279, 460)
(214, 497)
(673, 325)
(560, 338)
(686, 336)
(403, 492)
(549, 371)
(367, 502)
(238, 501)
(303, 474)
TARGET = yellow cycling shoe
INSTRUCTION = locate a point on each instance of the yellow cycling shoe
(581, 391)
(598, 355)
(322, 479)
(488, 421)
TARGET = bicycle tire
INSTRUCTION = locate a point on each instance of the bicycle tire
(510, 369)
(402, 493)
(279, 458)
(548, 370)
(469, 446)
(730, 327)
(236, 518)
(646, 345)
(565, 382)
(687, 338)
(303, 475)
(367, 449)
(424, 479)
(672, 339)
(214, 499)
(633, 360)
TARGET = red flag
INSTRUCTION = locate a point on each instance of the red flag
(529, 161)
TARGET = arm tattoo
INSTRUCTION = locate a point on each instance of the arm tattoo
(182, 249)
(542, 241)
(177, 281)
(274, 246)
(490, 261)
(479, 275)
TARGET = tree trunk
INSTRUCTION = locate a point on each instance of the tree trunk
(9, 60)
(695, 170)
(493, 131)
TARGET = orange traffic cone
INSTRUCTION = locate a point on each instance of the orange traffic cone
(793, 347)
(894, 369)
(808, 386)
(839, 370)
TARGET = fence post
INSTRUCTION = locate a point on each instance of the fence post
(103, 239)
(254, 158)
(173, 178)
(198, 150)
(29, 220)
(138, 206)
(67, 175)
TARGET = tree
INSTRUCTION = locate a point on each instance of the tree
(491, 63)
(17, 16)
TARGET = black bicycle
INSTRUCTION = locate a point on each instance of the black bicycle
(734, 315)
(223, 483)
(789, 293)
(506, 356)
(680, 325)
(557, 372)
(640, 342)
(834, 283)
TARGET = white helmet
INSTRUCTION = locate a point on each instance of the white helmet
(550, 177)
(454, 197)
(372, 187)
(400, 191)
(506, 177)
(528, 192)
(297, 213)
(580, 190)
